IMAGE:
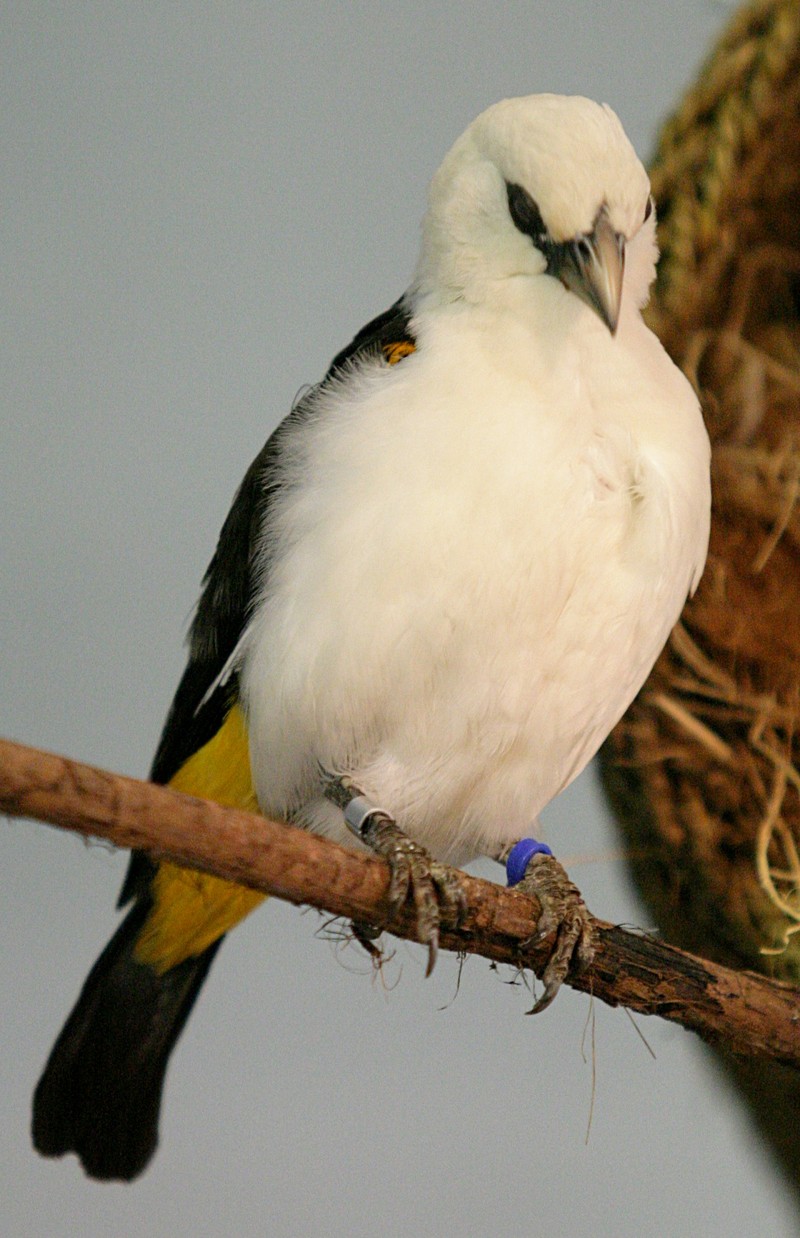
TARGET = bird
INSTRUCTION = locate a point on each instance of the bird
(440, 585)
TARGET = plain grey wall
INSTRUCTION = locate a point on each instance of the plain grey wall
(201, 204)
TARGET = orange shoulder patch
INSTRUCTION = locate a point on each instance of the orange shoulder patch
(395, 352)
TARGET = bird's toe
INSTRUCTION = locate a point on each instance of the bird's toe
(433, 888)
(565, 917)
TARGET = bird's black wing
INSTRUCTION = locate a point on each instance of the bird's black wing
(100, 1092)
(228, 592)
(389, 334)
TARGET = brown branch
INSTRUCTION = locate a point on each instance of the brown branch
(747, 1013)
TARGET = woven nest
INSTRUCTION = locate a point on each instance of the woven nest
(704, 770)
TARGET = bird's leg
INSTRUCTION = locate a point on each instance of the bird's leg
(433, 887)
(533, 869)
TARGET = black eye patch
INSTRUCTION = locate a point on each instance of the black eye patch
(526, 215)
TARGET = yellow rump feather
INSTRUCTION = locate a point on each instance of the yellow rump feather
(191, 910)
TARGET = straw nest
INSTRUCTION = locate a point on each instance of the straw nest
(704, 770)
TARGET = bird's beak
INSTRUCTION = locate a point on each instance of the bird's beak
(592, 267)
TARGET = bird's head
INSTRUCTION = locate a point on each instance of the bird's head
(547, 188)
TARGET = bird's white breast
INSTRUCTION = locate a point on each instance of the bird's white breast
(473, 562)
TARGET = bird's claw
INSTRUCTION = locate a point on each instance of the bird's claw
(563, 913)
(433, 888)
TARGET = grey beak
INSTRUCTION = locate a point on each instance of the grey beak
(592, 267)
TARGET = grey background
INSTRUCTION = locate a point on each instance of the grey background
(202, 203)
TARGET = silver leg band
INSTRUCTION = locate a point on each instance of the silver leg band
(358, 812)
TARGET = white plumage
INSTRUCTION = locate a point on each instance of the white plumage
(475, 556)
(441, 580)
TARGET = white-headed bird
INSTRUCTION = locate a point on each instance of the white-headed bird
(441, 583)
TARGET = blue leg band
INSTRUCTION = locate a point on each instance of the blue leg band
(520, 856)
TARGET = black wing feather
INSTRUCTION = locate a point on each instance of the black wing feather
(393, 326)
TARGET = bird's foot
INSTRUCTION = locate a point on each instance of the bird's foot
(533, 869)
(433, 888)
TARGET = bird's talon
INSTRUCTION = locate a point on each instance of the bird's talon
(433, 952)
(366, 936)
(434, 890)
(564, 913)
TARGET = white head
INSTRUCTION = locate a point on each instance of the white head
(546, 187)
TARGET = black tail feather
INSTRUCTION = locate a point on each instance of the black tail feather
(100, 1093)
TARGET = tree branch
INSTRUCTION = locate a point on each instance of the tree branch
(744, 1012)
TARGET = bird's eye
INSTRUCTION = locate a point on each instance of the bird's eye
(526, 214)
(648, 210)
